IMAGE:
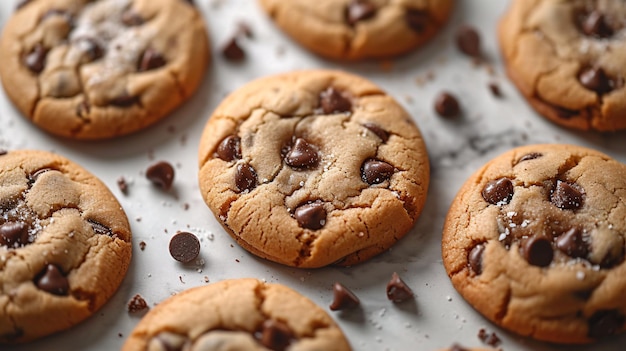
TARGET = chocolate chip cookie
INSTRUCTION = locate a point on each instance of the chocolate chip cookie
(241, 314)
(567, 59)
(359, 29)
(100, 69)
(310, 168)
(535, 241)
(65, 244)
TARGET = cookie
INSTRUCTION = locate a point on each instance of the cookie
(239, 314)
(65, 244)
(100, 69)
(535, 241)
(359, 29)
(310, 168)
(567, 59)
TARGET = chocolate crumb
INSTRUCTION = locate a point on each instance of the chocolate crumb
(490, 339)
(237, 260)
(232, 51)
(185, 206)
(142, 245)
(468, 41)
(343, 298)
(122, 185)
(120, 335)
(495, 90)
(137, 304)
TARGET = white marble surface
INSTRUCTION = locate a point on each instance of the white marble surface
(439, 316)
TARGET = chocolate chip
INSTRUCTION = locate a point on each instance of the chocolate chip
(499, 191)
(14, 234)
(537, 250)
(359, 10)
(229, 149)
(151, 59)
(311, 216)
(122, 185)
(91, 48)
(245, 178)
(595, 24)
(302, 154)
(161, 174)
(124, 100)
(82, 109)
(100, 228)
(131, 18)
(468, 41)
(530, 156)
(376, 129)
(375, 171)
(447, 105)
(232, 51)
(596, 79)
(53, 281)
(605, 323)
(572, 243)
(343, 298)
(332, 101)
(417, 20)
(475, 258)
(32, 178)
(397, 290)
(35, 60)
(565, 196)
(184, 247)
(275, 335)
(137, 304)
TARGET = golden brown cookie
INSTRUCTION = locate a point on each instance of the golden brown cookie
(359, 29)
(535, 241)
(316, 167)
(65, 244)
(100, 69)
(567, 59)
(241, 314)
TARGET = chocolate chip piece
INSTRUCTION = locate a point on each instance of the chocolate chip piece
(375, 171)
(35, 60)
(100, 228)
(311, 216)
(232, 51)
(596, 79)
(417, 20)
(595, 25)
(359, 10)
(468, 41)
(91, 48)
(184, 247)
(161, 174)
(275, 335)
(490, 339)
(475, 258)
(376, 129)
(495, 90)
(53, 281)
(82, 109)
(397, 290)
(498, 192)
(572, 243)
(229, 149)
(343, 298)
(245, 178)
(14, 234)
(124, 100)
(537, 250)
(122, 185)
(137, 304)
(302, 154)
(131, 18)
(447, 105)
(530, 156)
(151, 59)
(605, 323)
(332, 101)
(565, 196)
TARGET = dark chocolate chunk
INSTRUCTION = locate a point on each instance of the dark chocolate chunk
(131, 18)
(359, 10)
(124, 100)
(565, 196)
(184, 247)
(53, 281)
(499, 191)
(417, 20)
(537, 250)
(475, 258)
(530, 156)
(137, 304)
(229, 149)
(596, 79)
(332, 101)
(275, 335)
(447, 105)
(151, 59)
(232, 51)
(397, 290)
(245, 178)
(100, 228)
(375, 171)
(572, 243)
(302, 154)
(35, 60)
(595, 24)
(468, 41)
(376, 129)
(161, 174)
(13, 234)
(343, 298)
(605, 323)
(310, 216)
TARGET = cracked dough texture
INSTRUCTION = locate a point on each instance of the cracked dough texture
(554, 303)
(544, 51)
(321, 26)
(362, 220)
(226, 315)
(61, 205)
(72, 96)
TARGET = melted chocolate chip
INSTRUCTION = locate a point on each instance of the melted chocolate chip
(397, 290)
(447, 105)
(565, 196)
(530, 156)
(161, 174)
(605, 323)
(417, 20)
(35, 60)
(100, 228)
(359, 10)
(53, 281)
(311, 216)
(537, 250)
(468, 41)
(32, 178)
(596, 79)
(245, 178)
(184, 247)
(376, 129)
(232, 51)
(124, 100)
(275, 335)
(375, 171)
(332, 101)
(131, 18)
(572, 243)
(302, 155)
(595, 24)
(14, 234)
(229, 149)
(475, 258)
(91, 48)
(499, 191)
(343, 298)
(151, 59)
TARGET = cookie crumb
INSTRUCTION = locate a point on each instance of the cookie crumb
(495, 89)
(237, 260)
(137, 304)
(490, 339)
(120, 335)
(206, 279)
(142, 245)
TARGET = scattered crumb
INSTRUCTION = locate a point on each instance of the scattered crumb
(138, 219)
(206, 279)
(142, 245)
(237, 260)
(244, 29)
(490, 339)
(122, 185)
(495, 89)
(137, 304)
(120, 335)
(180, 277)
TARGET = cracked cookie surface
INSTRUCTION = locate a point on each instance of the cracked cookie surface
(535, 241)
(238, 314)
(359, 29)
(567, 59)
(65, 244)
(100, 69)
(311, 168)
